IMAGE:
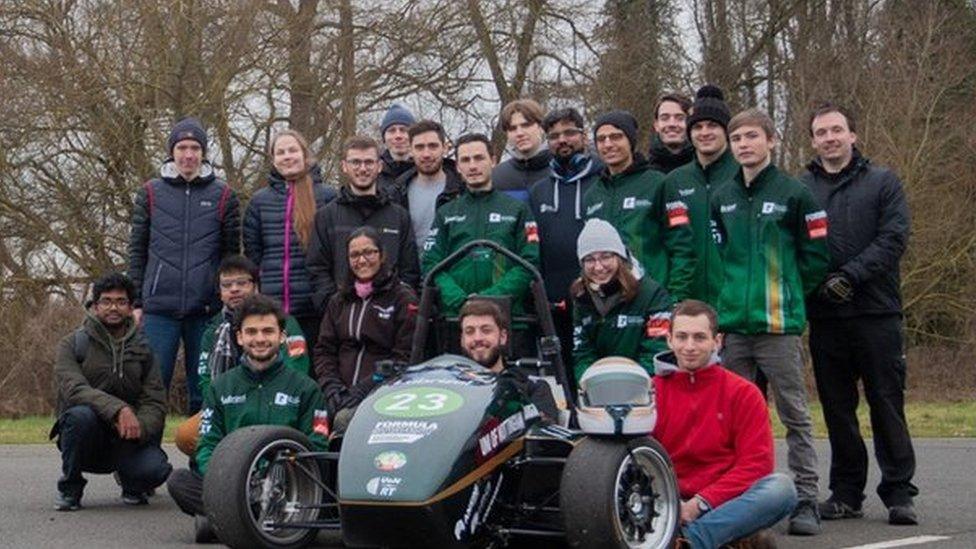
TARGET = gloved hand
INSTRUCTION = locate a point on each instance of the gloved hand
(837, 289)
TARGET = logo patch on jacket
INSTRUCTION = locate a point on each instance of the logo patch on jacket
(296, 345)
(206, 204)
(590, 210)
(817, 224)
(495, 217)
(455, 219)
(727, 208)
(384, 312)
(677, 213)
(233, 399)
(625, 320)
(658, 324)
(284, 399)
(686, 192)
(320, 423)
(773, 208)
(531, 231)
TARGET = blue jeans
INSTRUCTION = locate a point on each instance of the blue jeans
(768, 501)
(164, 334)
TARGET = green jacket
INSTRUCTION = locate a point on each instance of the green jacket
(113, 374)
(773, 240)
(634, 203)
(294, 349)
(276, 396)
(634, 329)
(688, 191)
(490, 215)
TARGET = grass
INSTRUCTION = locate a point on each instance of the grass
(925, 420)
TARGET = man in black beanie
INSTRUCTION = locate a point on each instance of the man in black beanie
(630, 196)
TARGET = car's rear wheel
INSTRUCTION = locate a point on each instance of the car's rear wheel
(623, 494)
(254, 486)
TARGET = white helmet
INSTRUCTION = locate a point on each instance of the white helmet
(616, 397)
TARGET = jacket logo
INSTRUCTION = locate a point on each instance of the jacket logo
(296, 345)
(727, 208)
(495, 217)
(686, 192)
(547, 208)
(677, 213)
(455, 219)
(632, 202)
(531, 232)
(625, 320)
(282, 399)
(233, 399)
(387, 230)
(772, 207)
(384, 312)
(816, 224)
(595, 207)
(206, 204)
(629, 203)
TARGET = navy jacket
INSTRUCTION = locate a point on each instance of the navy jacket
(180, 232)
(514, 176)
(264, 242)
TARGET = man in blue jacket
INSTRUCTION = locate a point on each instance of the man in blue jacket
(183, 223)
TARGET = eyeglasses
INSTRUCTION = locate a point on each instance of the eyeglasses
(227, 284)
(568, 133)
(605, 258)
(108, 302)
(359, 163)
(369, 253)
(615, 137)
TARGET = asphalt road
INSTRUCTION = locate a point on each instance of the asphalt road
(946, 477)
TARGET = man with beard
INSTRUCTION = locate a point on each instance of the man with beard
(557, 205)
(259, 387)
(396, 144)
(111, 400)
(359, 204)
(431, 183)
(670, 148)
(522, 121)
(484, 334)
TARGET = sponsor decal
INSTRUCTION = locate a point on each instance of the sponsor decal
(502, 433)
(451, 219)
(817, 224)
(296, 345)
(419, 402)
(657, 325)
(444, 381)
(390, 461)
(686, 192)
(629, 203)
(400, 432)
(320, 423)
(206, 420)
(383, 486)
(716, 234)
(494, 217)
(479, 506)
(531, 231)
(594, 208)
(233, 399)
(677, 213)
(632, 202)
(727, 208)
(283, 399)
(384, 312)
(773, 208)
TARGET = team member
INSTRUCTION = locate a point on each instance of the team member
(359, 204)
(615, 310)
(371, 318)
(183, 223)
(690, 188)
(715, 428)
(670, 148)
(261, 390)
(522, 122)
(111, 400)
(773, 242)
(631, 197)
(856, 319)
(278, 226)
(396, 146)
(481, 213)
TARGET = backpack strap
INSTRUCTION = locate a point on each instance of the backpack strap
(80, 344)
(224, 195)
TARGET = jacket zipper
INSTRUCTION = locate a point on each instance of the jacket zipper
(159, 268)
(186, 249)
(358, 335)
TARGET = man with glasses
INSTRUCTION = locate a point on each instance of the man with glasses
(111, 400)
(359, 204)
(557, 205)
(630, 195)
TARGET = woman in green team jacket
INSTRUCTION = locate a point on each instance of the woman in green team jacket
(617, 310)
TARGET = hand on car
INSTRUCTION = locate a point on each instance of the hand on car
(127, 424)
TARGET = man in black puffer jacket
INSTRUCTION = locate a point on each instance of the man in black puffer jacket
(359, 204)
(183, 223)
(856, 319)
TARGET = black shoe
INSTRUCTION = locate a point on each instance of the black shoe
(833, 509)
(134, 498)
(805, 521)
(67, 502)
(902, 515)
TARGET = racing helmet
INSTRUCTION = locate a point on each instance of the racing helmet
(616, 397)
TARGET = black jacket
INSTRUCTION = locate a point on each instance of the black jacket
(392, 170)
(327, 253)
(867, 234)
(515, 175)
(663, 160)
(264, 242)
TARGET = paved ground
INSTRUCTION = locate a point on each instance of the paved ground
(946, 475)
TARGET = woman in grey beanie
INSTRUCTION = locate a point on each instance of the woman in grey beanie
(617, 311)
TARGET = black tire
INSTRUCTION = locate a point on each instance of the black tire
(619, 494)
(238, 475)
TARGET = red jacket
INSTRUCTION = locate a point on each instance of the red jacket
(715, 426)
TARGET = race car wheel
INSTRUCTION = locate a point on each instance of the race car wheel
(618, 493)
(251, 483)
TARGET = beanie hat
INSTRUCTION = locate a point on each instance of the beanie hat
(599, 236)
(709, 105)
(396, 114)
(623, 121)
(188, 128)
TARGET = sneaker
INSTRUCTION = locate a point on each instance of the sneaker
(67, 502)
(902, 515)
(134, 498)
(805, 521)
(833, 509)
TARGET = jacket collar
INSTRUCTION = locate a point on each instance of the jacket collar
(377, 200)
(170, 174)
(95, 329)
(858, 162)
(661, 155)
(768, 173)
(665, 364)
(639, 165)
(268, 373)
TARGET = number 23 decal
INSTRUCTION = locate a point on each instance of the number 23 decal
(419, 402)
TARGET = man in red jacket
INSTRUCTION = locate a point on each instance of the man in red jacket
(715, 426)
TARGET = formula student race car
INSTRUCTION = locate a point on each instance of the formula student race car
(448, 454)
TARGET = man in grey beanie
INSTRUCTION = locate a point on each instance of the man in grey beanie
(396, 141)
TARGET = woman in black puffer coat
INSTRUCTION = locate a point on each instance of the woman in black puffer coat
(277, 225)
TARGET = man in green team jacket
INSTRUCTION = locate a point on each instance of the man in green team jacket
(772, 236)
(630, 196)
(689, 189)
(481, 213)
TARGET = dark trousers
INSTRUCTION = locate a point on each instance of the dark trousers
(89, 444)
(869, 349)
(563, 319)
(186, 489)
